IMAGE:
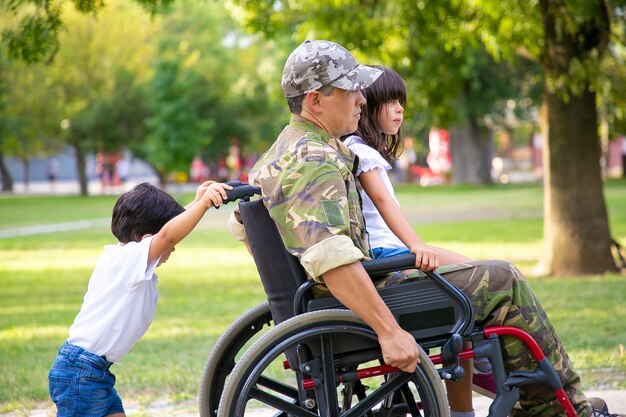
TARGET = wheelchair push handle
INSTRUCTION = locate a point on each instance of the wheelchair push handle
(240, 190)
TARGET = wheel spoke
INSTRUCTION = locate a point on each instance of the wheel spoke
(279, 403)
(327, 392)
(278, 386)
(393, 384)
(409, 399)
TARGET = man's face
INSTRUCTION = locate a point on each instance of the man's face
(341, 111)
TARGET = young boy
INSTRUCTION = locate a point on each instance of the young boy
(121, 297)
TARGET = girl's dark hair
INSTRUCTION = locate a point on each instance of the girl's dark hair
(143, 210)
(388, 87)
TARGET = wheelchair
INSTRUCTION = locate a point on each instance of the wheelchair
(298, 354)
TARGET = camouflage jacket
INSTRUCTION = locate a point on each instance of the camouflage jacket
(309, 189)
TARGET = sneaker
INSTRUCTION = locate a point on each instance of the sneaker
(600, 409)
(484, 384)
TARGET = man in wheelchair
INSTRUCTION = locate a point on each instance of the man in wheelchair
(309, 189)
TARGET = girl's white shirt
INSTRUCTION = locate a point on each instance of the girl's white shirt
(380, 236)
(120, 302)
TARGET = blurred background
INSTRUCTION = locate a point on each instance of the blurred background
(185, 90)
(515, 150)
(97, 96)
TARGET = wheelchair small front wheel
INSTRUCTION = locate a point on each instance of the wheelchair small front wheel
(329, 352)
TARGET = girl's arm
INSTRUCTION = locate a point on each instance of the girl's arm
(426, 258)
(375, 188)
(180, 226)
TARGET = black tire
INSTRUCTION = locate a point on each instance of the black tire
(326, 332)
(224, 355)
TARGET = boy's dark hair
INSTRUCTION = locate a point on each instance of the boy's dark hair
(388, 87)
(143, 210)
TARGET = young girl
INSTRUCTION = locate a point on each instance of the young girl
(378, 142)
(121, 297)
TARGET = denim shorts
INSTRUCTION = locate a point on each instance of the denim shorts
(378, 253)
(81, 384)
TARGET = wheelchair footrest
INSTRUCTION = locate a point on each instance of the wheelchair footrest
(545, 375)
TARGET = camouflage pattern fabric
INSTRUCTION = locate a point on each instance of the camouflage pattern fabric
(315, 64)
(310, 192)
(501, 296)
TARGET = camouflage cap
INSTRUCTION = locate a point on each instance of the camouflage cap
(315, 64)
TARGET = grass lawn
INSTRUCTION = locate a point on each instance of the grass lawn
(211, 280)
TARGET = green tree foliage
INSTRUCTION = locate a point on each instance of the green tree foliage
(178, 126)
(462, 59)
(166, 86)
(194, 106)
(90, 72)
(453, 79)
(32, 35)
(5, 175)
(30, 119)
(73, 89)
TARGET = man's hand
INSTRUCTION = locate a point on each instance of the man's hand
(215, 194)
(351, 285)
(400, 350)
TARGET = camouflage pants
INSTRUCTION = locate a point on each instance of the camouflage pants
(501, 297)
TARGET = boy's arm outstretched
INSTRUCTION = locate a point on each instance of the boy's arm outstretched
(209, 194)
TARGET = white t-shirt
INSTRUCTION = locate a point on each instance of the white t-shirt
(120, 301)
(380, 236)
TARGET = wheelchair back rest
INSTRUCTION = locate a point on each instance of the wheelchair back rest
(280, 272)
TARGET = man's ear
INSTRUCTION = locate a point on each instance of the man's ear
(312, 101)
(146, 235)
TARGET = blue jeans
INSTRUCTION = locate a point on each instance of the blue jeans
(387, 252)
(81, 384)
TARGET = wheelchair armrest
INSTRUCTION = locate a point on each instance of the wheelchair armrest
(382, 266)
(379, 267)
(240, 190)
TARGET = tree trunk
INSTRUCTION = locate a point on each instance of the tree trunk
(576, 227)
(26, 174)
(7, 180)
(577, 224)
(81, 168)
(471, 154)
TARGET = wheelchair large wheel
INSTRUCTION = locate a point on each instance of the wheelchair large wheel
(226, 352)
(327, 349)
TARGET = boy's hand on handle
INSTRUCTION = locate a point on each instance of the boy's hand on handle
(426, 259)
(202, 189)
(215, 194)
(400, 350)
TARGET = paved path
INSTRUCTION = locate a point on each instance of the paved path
(52, 228)
(615, 399)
